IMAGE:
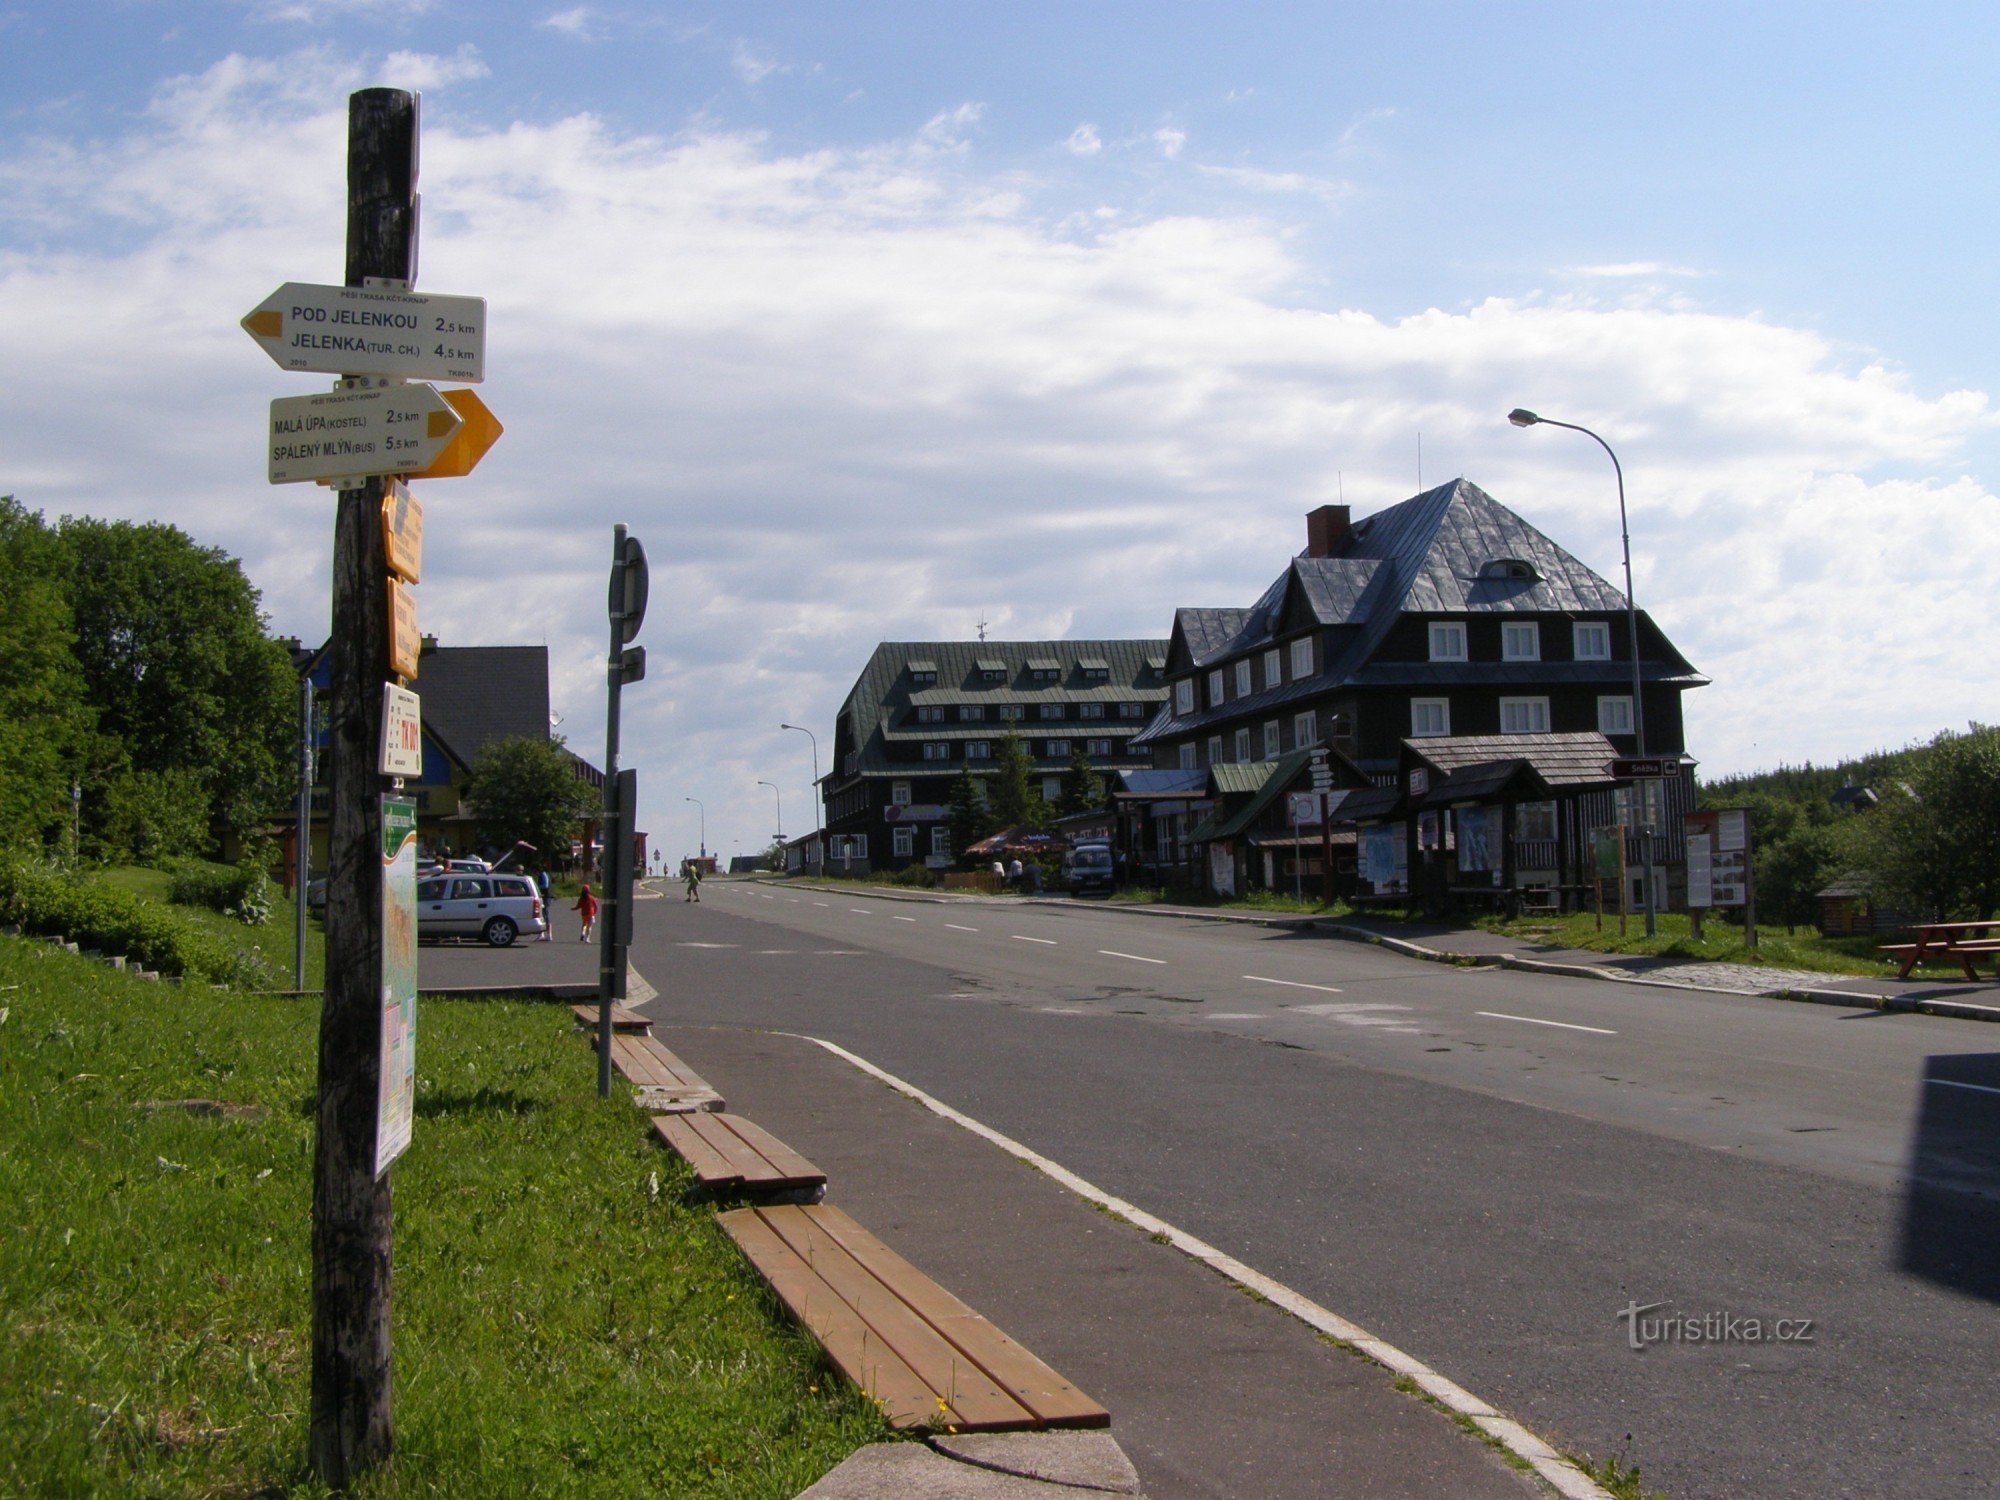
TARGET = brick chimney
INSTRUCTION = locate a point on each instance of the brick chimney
(1326, 529)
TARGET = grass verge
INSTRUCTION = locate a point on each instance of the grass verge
(274, 942)
(564, 1325)
(1721, 943)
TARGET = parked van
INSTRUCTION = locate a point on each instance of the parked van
(1088, 867)
(493, 908)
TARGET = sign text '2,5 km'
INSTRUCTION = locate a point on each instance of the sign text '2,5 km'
(349, 330)
(389, 429)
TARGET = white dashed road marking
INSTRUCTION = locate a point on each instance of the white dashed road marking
(1137, 959)
(894, 918)
(956, 928)
(1049, 942)
(1325, 989)
(1566, 1026)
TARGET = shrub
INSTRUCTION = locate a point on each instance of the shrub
(914, 875)
(50, 903)
(240, 891)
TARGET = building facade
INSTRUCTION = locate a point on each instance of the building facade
(922, 712)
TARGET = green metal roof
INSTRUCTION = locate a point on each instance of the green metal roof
(1278, 776)
(1239, 777)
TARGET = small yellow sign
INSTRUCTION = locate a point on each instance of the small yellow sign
(403, 531)
(406, 642)
(478, 430)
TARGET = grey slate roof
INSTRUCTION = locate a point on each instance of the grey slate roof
(1561, 760)
(475, 694)
(878, 704)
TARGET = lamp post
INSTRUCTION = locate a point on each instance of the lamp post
(818, 802)
(779, 797)
(704, 823)
(1521, 417)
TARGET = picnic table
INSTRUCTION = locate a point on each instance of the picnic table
(1961, 941)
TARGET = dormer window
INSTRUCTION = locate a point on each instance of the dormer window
(923, 673)
(1511, 568)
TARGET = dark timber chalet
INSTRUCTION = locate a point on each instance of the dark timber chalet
(921, 712)
(1446, 637)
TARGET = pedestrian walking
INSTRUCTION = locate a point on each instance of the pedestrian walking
(691, 873)
(586, 907)
(548, 911)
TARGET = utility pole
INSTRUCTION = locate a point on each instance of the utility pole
(302, 854)
(351, 1429)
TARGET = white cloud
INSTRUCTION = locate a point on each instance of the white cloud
(579, 22)
(319, 12)
(428, 70)
(1170, 141)
(750, 67)
(1084, 140)
(1636, 269)
(851, 395)
(1257, 180)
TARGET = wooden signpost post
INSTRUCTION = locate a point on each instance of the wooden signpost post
(379, 336)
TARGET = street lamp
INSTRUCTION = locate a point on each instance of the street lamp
(704, 823)
(780, 798)
(1521, 417)
(818, 796)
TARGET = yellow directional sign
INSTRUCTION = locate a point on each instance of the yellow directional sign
(403, 531)
(345, 434)
(478, 430)
(406, 642)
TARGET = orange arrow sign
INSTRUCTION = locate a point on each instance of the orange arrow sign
(479, 430)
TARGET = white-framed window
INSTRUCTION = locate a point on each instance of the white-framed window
(979, 750)
(1215, 687)
(1096, 748)
(1058, 750)
(1520, 640)
(1215, 749)
(1045, 674)
(1090, 710)
(1535, 820)
(930, 715)
(1592, 640)
(1614, 715)
(1187, 756)
(1429, 717)
(1052, 710)
(1274, 667)
(1447, 640)
(1183, 696)
(1524, 716)
(849, 846)
(941, 840)
(1097, 674)
(937, 750)
(1010, 713)
(1243, 678)
(1243, 744)
(993, 674)
(1138, 710)
(1302, 658)
(1271, 751)
(972, 713)
(904, 841)
(899, 793)
(923, 679)
(1305, 730)
(1052, 788)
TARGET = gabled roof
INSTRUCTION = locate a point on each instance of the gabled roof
(1207, 633)
(1560, 760)
(1232, 777)
(476, 694)
(1278, 776)
(1488, 781)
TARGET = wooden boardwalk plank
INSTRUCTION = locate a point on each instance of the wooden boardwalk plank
(1053, 1400)
(621, 1018)
(782, 1163)
(692, 1145)
(904, 1398)
(666, 1084)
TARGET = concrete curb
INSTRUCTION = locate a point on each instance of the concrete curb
(1560, 1473)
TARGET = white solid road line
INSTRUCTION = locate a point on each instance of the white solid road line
(1566, 1025)
(1562, 1475)
(1296, 985)
(1136, 958)
(1953, 1083)
(1050, 942)
(956, 928)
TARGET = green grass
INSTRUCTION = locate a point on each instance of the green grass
(274, 941)
(1722, 943)
(564, 1325)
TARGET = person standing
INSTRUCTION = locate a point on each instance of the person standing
(548, 911)
(586, 907)
(691, 873)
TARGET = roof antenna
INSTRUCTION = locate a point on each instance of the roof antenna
(982, 629)
(1420, 461)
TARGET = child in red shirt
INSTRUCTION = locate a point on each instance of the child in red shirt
(586, 904)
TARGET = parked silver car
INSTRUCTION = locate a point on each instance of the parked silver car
(494, 908)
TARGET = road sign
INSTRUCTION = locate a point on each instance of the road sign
(630, 583)
(479, 431)
(406, 642)
(351, 330)
(403, 532)
(387, 429)
(402, 732)
(1630, 768)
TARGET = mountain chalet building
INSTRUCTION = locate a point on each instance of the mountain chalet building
(921, 712)
(1474, 671)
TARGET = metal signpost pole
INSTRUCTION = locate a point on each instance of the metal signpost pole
(626, 606)
(351, 1429)
(301, 856)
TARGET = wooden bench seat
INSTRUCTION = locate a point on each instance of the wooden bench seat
(732, 1154)
(621, 1018)
(921, 1354)
(666, 1084)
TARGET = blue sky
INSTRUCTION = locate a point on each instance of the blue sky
(877, 320)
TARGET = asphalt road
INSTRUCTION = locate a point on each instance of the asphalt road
(1482, 1166)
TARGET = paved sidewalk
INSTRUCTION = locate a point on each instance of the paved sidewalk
(1211, 1392)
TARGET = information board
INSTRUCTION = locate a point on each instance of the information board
(395, 1110)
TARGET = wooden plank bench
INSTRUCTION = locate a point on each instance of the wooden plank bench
(1961, 953)
(666, 1084)
(732, 1154)
(621, 1018)
(921, 1354)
